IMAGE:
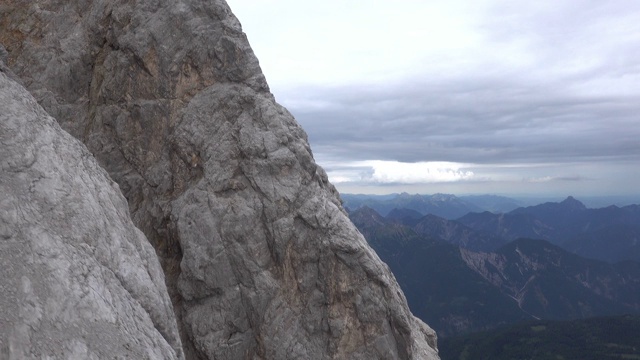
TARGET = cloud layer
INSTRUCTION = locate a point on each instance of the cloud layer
(394, 172)
(517, 96)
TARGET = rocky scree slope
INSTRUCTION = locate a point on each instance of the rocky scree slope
(260, 258)
(80, 281)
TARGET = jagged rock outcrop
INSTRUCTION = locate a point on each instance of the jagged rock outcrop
(79, 281)
(260, 258)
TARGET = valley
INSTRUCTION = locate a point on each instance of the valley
(486, 270)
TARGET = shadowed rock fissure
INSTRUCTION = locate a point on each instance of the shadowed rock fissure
(156, 223)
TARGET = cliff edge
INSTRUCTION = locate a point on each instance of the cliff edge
(260, 258)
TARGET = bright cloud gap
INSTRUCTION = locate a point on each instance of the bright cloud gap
(395, 172)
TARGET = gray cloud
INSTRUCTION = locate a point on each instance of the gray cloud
(577, 100)
(481, 123)
(534, 96)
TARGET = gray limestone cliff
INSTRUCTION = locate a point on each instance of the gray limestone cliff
(260, 259)
(79, 280)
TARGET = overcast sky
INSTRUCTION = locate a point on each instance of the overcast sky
(459, 96)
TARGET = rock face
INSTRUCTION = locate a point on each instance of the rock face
(260, 259)
(80, 281)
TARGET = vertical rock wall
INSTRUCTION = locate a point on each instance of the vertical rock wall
(79, 281)
(260, 259)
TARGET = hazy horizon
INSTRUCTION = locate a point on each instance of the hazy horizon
(598, 201)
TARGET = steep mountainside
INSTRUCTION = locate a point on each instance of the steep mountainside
(551, 283)
(440, 288)
(508, 226)
(525, 279)
(456, 233)
(449, 231)
(611, 243)
(260, 258)
(404, 216)
(80, 281)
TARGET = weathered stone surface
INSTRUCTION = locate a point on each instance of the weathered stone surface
(79, 281)
(260, 259)
(290, 277)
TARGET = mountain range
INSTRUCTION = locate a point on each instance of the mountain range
(444, 205)
(609, 234)
(458, 290)
(452, 206)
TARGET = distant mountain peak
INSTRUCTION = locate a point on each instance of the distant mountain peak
(440, 197)
(573, 203)
(367, 215)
